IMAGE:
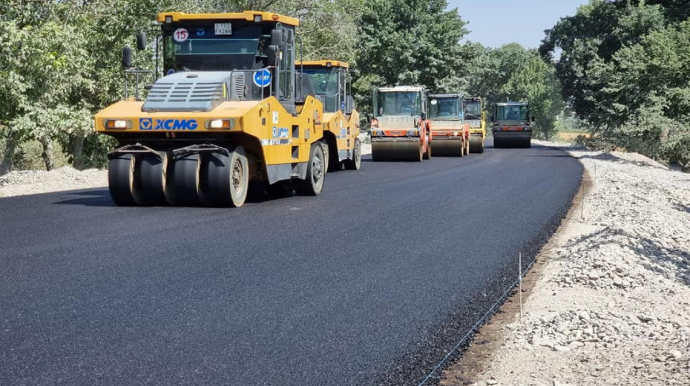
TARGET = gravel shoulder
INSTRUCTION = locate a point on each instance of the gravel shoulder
(20, 183)
(610, 301)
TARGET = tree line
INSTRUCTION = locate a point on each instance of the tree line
(60, 63)
(624, 67)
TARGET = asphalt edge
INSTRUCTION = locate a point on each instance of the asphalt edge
(474, 358)
(421, 366)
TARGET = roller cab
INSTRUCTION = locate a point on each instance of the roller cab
(512, 125)
(228, 110)
(475, 117)
(450, 131)
(332, 86)
(400, 129)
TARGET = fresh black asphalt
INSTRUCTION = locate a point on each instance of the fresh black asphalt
(370, 283)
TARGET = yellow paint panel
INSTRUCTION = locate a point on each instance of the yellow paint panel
(267, 121)
(246, 15)
(322, 63)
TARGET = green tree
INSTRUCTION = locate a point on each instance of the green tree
(408, 42)
(536, 83)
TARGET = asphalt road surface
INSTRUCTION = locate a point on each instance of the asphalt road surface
(368, 284)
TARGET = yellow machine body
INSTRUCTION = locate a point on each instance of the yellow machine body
(251, 123)
(341, 121)
(230, 111)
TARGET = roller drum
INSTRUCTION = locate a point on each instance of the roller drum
(396, 151)
(476, 144)
(448, 148)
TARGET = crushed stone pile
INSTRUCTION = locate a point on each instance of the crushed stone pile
(613, 304)
(25, 182)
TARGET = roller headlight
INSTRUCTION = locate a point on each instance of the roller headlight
(220, 124)
(117, 124)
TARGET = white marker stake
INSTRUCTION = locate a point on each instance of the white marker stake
(520, 281)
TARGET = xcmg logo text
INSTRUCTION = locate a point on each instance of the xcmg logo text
(167, 124)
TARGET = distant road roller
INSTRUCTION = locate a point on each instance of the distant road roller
(230, 110)
(450, 131)
(400, 130)
(512, 125)
(332, 86)
(474, 115)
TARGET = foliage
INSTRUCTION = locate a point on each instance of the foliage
(60, 61)
(625, 68)
(408, 42)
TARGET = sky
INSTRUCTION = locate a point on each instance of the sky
(497, 22)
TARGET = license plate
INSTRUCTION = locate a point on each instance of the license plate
(223, 29)
(395, 132)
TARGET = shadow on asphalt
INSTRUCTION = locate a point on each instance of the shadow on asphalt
(88, 198)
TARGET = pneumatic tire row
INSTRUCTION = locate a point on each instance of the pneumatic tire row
(212, 179)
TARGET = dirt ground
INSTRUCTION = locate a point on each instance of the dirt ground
(608, 302)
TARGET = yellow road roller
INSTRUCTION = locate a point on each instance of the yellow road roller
(474, 115)
(512, 125)
(450, 131)
(332, 86)
(400, 129)
(230, 110)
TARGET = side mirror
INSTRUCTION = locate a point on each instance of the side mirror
(276, 37)
(127, 57)
(349, 104)
(141, 41)
(273, 53)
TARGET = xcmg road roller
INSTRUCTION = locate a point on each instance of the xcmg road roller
(332, 86)
(400, 129)
(450, 131)
(512, 125)
(474, 115)
(231, 110)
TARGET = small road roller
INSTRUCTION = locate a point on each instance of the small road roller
(400, 130)
(450, 131)
(333, 87)
(474, 115)
(512, 125)
(230, 110)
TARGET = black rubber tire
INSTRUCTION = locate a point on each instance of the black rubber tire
(332, 159)
(356, 162)
(497, 143)
(149, 181)
(326, 155)
(225, 179)
(121, 179)
(316, 173)
(183, 182)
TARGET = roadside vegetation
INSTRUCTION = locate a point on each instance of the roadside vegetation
(625, 70)
(60, 63)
